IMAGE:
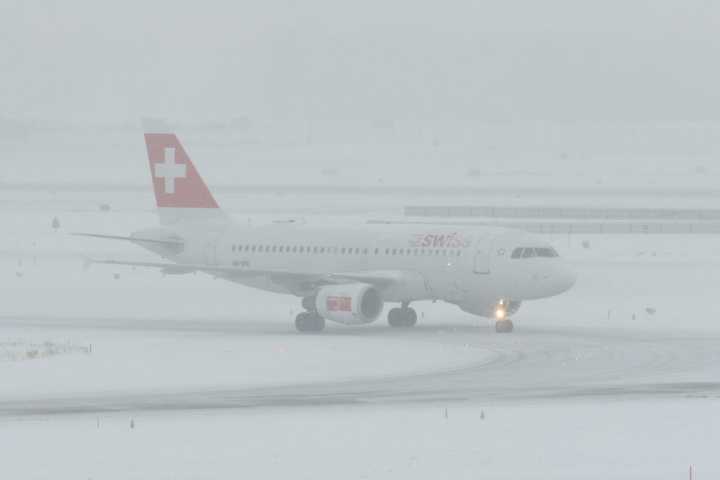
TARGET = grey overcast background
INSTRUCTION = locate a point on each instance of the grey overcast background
(510, 61)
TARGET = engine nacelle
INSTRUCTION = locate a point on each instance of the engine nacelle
(349, 304)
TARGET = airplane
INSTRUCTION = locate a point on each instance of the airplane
(342, 274)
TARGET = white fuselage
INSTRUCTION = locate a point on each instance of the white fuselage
(470, 267)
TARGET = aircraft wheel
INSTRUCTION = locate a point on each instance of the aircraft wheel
(402, 317)
(410, 317)
(504, 326)
(309, 322)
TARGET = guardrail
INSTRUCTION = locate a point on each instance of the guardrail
(578, 227)
(578, 213)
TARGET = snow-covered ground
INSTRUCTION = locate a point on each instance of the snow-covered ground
(649, 440)
(618, 378)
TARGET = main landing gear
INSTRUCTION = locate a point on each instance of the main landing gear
(502, 323)
(403, 317)
(309, 321)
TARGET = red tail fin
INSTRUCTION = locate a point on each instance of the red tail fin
(176, 182)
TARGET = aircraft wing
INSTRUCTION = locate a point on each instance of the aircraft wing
(180, 268)
(380, 279)
(295, 280)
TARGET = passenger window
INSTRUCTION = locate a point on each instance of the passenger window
(528, 253)
(377, 250)
(517, 253)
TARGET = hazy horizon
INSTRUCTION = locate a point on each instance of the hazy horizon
(557, 61)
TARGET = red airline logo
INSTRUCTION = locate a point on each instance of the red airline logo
(439, 240)
(339, 304)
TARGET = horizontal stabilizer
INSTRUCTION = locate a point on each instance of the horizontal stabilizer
(168, 243)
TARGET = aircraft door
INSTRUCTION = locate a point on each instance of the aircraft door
(210, 250)
(483, 246)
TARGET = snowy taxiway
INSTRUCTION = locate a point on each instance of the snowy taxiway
(122, 373)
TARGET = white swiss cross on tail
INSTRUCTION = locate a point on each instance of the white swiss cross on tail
(176, 182)
(170, 170)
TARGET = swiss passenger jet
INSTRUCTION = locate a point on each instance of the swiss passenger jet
(345, 275)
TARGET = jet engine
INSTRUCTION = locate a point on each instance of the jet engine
(349, 304)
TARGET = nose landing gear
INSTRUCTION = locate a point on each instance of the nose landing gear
(504, 326)
(502, 323)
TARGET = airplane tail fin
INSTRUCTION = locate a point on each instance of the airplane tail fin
(180, 192)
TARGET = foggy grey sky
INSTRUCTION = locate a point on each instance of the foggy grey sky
(557, 60)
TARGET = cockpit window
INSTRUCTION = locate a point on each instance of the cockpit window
(530, 252)
(546, 252)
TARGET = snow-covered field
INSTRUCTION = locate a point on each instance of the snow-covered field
(619, 378)
(649, 440)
